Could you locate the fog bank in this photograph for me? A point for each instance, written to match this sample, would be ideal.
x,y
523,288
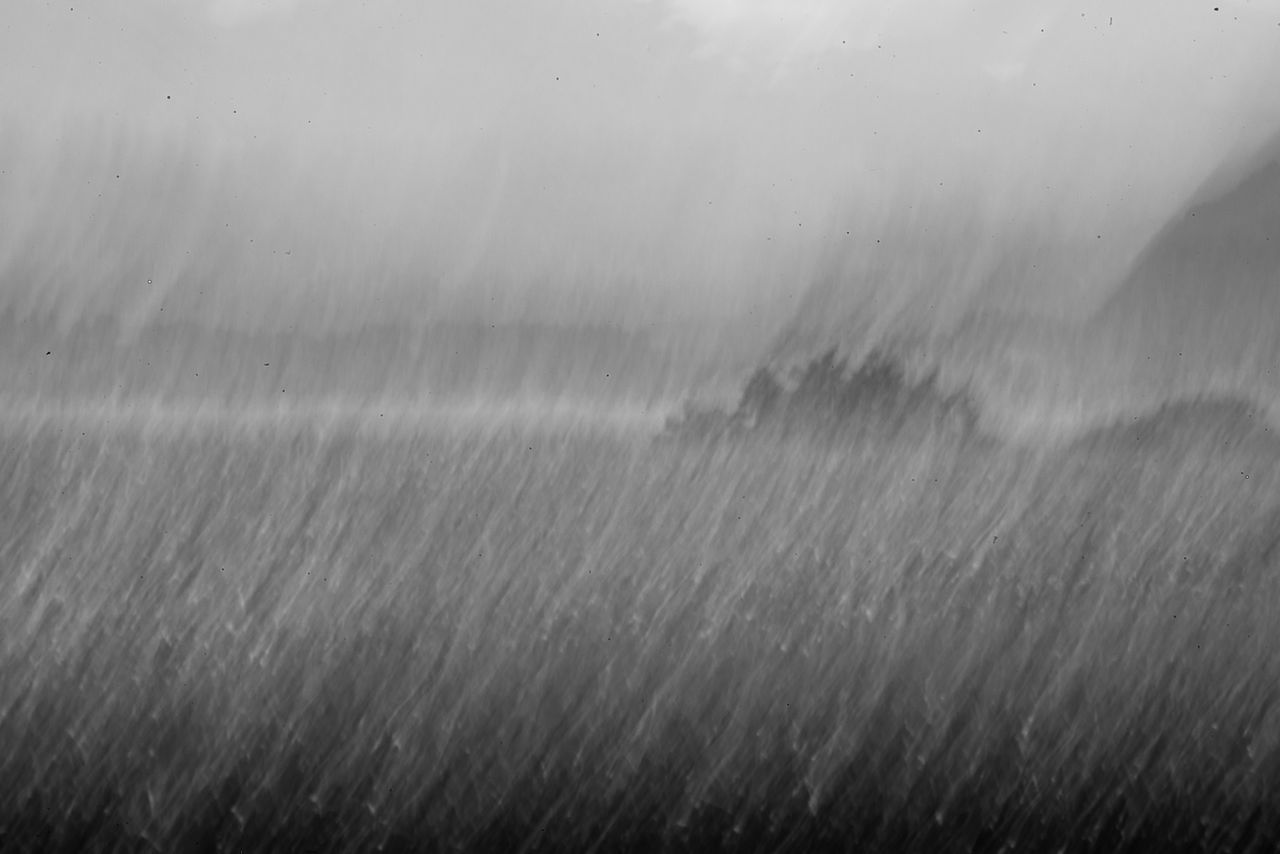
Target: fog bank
x,y
802,174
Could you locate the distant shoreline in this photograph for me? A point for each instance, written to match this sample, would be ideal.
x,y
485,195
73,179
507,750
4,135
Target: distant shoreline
x,y
474,414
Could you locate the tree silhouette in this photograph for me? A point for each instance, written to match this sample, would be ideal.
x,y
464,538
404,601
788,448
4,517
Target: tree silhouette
x,y
879,396
760,396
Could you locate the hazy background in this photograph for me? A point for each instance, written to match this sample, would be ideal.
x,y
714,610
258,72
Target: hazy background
x,y
761,178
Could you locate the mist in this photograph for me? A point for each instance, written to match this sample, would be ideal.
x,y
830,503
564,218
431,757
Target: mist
x,y
791,176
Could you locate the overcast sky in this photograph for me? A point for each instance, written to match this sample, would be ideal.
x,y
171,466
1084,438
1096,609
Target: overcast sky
x,y
668,155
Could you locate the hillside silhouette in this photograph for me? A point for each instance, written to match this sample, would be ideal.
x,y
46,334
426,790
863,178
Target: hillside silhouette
x,y
183,361
1214,425
1199,307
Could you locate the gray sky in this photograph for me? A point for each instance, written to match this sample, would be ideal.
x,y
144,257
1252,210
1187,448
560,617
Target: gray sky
x,y
609,158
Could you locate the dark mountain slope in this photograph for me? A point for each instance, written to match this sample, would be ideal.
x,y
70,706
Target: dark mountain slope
x,y
1201,306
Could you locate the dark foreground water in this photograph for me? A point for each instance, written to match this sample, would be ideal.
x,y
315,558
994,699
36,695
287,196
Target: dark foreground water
x,y
270,635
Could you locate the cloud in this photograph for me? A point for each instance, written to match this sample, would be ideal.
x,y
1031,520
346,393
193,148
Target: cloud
x,y
1269,7
234,13
779,32
780,36
1013,41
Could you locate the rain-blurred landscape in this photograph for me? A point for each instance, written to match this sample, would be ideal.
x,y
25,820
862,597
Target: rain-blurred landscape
x,y
665,426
